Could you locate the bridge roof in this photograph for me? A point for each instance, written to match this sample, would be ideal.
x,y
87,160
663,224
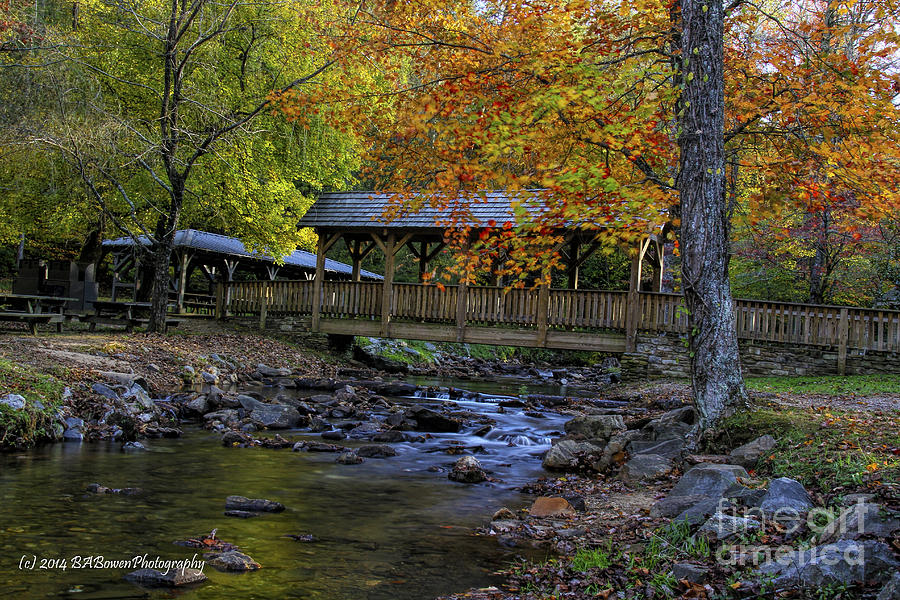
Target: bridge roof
x,y
216,244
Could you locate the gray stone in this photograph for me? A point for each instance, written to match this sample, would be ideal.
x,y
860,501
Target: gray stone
x,y
267,371
256,504
690,572
376,451
785,496
745,496
429,420
74,423
241,514
233,437
673,425
72,435
209,378
645,467
134,447
667,448
225,415
349,458
249,402
891,590
232,561
391,436
105,391
614,452
844,562
275,416
748,454
595,427
722,526
467,470
569,454
14,401
197,406
335,435
851,499
171,578
861,520
708,480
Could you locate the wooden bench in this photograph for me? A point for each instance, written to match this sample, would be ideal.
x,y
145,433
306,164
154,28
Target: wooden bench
x,y
127,314
33,319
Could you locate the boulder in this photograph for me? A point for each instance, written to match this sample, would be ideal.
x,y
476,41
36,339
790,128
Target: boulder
x,y
467,470
256,504
197,406
429,420
745,496
645,467
275,416
667,448
785,495
595,427
693,508
225,415
614,452
376,451
722,526
232,561
14,401
267,371
547,506
249,403
105,391
748,454
171,578
569,454
861,520
335,435
230,438
349,458
673,425
844,562
690,572
391,436
709,480
72,435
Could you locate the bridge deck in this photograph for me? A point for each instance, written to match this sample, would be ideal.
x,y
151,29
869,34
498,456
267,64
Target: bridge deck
x,y
550,318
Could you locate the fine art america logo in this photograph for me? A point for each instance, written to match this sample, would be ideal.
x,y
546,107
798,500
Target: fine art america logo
x,y
827,525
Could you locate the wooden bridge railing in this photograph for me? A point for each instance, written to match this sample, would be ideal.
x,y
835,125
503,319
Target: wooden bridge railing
x,y
841,327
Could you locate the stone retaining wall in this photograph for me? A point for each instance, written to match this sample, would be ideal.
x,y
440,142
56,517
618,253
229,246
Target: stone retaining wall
x,y
666,356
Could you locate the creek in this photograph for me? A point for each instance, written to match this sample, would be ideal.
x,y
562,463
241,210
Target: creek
x,y
393,528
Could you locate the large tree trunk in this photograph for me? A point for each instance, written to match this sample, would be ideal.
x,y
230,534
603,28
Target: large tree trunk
x,y
715,361
162,255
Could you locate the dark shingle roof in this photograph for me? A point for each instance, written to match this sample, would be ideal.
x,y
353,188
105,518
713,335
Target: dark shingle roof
x,y
366,209
222,244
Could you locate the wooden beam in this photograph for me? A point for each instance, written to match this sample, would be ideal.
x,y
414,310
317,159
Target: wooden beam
x,y
843,335
390,252
182,278
263,305
573,265
317,284
220,301
633,304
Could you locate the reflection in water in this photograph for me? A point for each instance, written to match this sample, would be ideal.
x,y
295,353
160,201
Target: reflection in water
x,y
388,529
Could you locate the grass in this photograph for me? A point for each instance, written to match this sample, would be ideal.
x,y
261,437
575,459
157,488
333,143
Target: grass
x,y
849,385
827,450
30,425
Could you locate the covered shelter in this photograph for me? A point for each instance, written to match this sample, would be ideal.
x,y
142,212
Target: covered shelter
x,y
219,258
358,219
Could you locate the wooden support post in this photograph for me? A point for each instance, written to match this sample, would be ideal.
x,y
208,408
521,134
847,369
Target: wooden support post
x,y
543,315
462,308
263,305
423,261
356,255
182,278
390,252
220,301
843,335
272,271
574,264
633,303
317,283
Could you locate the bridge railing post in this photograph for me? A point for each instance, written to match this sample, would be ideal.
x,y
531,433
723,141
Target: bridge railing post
x,y
843,335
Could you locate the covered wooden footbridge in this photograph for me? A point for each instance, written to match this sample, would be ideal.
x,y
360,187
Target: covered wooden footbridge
x,y
221,259
561,318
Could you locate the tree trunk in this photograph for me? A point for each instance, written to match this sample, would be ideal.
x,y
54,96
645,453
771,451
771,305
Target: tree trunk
x,y
715,362
162,255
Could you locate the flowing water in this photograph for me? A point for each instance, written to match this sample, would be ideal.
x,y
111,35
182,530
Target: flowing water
x,y
387,529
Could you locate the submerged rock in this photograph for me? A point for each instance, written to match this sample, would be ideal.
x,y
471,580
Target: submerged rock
x,y
232,561
349,458
275,416
257,504
376,451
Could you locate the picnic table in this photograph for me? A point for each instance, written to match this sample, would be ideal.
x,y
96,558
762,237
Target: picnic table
x,y
33,309
129,314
